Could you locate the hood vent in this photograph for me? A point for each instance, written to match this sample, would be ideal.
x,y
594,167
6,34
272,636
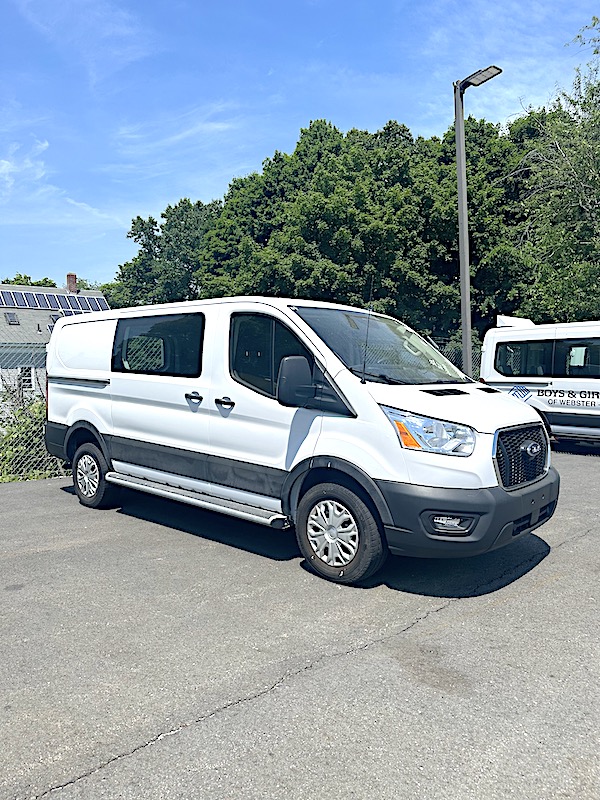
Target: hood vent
x,y
488,389
443,392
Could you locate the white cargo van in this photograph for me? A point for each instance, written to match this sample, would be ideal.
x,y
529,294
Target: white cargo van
x,y
343,423
553,368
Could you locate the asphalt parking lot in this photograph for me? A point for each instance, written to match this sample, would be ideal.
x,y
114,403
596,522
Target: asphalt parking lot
x,y
156,651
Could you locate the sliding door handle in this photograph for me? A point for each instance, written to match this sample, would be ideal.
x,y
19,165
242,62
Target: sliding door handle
x,y
225,402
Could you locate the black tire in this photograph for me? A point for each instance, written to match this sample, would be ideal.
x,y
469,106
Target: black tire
x,y
338,534
89,478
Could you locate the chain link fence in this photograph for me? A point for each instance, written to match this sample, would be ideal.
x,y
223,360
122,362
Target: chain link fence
x,y
453,353
23,454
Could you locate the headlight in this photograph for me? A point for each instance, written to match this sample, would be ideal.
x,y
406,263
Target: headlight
x,y
431,435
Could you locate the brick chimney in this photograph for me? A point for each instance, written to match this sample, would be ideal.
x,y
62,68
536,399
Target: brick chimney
x,y
71,282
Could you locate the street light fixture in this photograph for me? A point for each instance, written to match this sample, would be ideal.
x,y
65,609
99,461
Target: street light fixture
x,y
476,79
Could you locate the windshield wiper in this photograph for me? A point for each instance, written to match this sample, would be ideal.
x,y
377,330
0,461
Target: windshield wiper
x,y
381,376
456,380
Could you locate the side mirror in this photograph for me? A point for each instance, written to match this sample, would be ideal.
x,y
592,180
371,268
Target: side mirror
x,y
294,383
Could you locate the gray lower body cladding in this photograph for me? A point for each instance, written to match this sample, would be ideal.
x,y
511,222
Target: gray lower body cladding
x,y
498,517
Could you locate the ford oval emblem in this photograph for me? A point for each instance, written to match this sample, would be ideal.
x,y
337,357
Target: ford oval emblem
x,y
532,449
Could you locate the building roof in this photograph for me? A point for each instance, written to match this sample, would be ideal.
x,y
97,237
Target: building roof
x,y
28,313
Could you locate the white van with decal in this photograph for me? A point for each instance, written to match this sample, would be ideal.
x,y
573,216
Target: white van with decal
x,y
343,423
553,368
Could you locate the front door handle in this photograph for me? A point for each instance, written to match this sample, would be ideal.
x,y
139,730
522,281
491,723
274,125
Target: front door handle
x,y
193,397
226,402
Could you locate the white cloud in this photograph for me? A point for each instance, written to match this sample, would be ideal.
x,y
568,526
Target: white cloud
x,y
527,40
177,154
27,195
18,168
13,118
98,33
194,126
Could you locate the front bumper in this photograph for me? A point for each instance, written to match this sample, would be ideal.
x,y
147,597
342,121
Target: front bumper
x,y
498,517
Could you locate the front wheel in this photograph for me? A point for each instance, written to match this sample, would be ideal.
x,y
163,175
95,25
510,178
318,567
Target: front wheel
x,y
338,534
89,478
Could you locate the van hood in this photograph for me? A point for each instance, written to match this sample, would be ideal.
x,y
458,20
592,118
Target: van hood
x,y
471,404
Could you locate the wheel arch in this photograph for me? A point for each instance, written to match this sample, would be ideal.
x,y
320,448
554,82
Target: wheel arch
x,y
325,469
84,433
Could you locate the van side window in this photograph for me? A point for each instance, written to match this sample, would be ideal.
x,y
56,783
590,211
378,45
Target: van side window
x,y
577,358
257,344
524,359
170,344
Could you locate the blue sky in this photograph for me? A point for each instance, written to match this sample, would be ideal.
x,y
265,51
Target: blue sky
x,y
113,109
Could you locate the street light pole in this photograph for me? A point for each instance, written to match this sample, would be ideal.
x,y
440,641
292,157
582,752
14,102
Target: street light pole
x,y
476,79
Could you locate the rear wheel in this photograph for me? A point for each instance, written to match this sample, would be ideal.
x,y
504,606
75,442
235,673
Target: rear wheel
x,y
338,534
89,478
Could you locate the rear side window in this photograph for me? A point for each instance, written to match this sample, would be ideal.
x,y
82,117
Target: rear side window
x,y
564,358
577,358
524,359
170,344
257,345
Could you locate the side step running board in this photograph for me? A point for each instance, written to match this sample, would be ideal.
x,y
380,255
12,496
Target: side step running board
x,y
207,502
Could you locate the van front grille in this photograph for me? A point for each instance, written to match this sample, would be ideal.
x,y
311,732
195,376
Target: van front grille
x,y
521,455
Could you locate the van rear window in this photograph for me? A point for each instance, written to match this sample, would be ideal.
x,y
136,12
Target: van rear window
x,y
564,358
577,358
524,359
170,344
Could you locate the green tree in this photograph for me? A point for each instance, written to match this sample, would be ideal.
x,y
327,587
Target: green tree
x,y
169,255
371,219
560,229
361,218
25,280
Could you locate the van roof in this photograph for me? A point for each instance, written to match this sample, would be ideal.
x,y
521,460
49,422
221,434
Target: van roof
x,y
281,303
551,326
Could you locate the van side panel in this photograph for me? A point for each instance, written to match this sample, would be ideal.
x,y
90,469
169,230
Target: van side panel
x,y
83,348
78,369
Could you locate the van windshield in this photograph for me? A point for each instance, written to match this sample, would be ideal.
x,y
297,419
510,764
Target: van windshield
x,y
385,350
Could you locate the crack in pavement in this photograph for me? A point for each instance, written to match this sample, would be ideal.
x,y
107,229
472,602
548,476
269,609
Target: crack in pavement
x,y
515,570
248,698
574,538
475,592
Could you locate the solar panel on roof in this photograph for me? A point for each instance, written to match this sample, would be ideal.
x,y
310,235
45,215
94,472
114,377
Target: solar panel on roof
x,y
50,300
